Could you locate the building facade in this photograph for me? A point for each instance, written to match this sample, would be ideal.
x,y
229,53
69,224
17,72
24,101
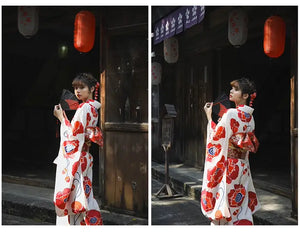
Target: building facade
x,y
206,64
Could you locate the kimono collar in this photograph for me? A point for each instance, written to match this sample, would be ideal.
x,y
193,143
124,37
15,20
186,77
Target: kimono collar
x,y
95,103
245,108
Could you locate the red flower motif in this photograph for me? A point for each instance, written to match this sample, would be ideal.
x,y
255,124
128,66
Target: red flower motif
x,y
219,134
78,128
74,168
213,150
215,175
236,212
234,125
88,119
207,201
82,223
243,222
65,212
94,111
213,125
77,207
62,198
87,185
252,200
244,116
83,163
67,123
232,170
93,217
236,196
69,148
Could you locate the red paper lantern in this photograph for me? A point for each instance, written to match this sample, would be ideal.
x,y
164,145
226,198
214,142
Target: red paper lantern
x,y
274,36
84,31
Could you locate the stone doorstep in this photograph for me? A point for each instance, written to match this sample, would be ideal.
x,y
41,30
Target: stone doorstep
x,y
23,204
186,185
28,181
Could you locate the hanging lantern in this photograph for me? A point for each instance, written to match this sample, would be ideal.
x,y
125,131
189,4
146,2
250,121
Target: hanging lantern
x,y
274,36
28,20
156,73
171,50
237,27
84,31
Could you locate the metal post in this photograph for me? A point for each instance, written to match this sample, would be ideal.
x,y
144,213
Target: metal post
x,y
166,191
166,166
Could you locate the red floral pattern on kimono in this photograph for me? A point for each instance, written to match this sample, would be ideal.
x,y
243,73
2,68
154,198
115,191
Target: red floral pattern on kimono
x,y
228,194
207,201
213,150
216,174
232,170
73,195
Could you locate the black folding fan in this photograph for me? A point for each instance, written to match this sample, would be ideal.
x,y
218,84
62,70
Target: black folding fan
x,y
68,100
220,106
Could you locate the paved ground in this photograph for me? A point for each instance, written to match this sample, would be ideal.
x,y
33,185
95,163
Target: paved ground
x,y
24,204
275,208
8,219
175,211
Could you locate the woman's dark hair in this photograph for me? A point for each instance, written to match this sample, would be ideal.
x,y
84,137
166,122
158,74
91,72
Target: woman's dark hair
x,y
84,79
246,87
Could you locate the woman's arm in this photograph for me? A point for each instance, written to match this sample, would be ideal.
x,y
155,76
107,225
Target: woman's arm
x,y
208,110
58,112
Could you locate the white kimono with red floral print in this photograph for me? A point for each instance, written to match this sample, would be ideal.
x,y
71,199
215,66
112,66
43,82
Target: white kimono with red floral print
x,y
73,195
228,195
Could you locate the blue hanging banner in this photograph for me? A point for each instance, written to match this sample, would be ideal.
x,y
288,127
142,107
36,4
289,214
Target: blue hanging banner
x,y
178,21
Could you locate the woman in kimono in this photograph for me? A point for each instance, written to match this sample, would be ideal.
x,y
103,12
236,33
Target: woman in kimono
x,y
73,196
228,196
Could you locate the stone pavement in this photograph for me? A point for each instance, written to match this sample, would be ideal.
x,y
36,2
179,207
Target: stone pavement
x,y
275,210
24,204
175,211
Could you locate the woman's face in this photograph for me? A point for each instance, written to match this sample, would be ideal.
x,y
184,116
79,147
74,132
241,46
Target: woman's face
x,y
82,92
237,97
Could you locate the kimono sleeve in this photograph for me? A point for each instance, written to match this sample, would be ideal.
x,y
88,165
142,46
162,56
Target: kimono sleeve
x,y
68,159
73,134
220,132
214,175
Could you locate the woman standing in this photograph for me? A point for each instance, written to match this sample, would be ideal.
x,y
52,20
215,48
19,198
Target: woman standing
x,y
228,196
73,195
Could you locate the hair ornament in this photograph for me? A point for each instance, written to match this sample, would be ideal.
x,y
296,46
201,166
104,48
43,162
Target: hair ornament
x,y
97,90
252,97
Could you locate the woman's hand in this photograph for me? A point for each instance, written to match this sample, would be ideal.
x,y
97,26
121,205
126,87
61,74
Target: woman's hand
x,y
208,110
58,112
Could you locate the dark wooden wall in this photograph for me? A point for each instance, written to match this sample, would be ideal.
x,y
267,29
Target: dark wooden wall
x,y
124,115
126,168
